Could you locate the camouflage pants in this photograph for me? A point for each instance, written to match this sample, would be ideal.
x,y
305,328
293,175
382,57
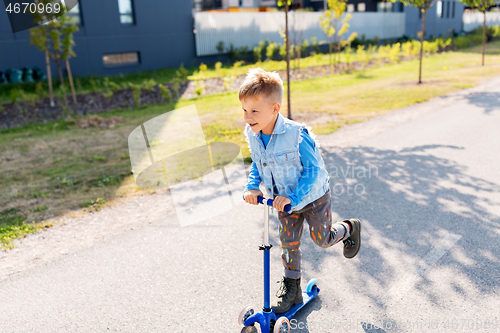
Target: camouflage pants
x,y
322,231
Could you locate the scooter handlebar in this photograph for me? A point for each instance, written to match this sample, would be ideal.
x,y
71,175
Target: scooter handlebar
x,y
269,202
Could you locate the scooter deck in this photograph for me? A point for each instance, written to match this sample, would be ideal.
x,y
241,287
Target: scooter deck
x,y
306,298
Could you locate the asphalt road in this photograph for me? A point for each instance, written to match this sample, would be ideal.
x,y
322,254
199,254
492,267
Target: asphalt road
x,y
425,181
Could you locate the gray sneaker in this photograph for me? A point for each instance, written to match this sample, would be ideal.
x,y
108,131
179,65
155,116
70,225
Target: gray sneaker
x,y
289,294
353,242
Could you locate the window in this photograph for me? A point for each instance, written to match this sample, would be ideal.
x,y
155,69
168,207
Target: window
x,y
384,6
439,8
120,59
448,9
453,10
126,11
75,14
361,7
350,8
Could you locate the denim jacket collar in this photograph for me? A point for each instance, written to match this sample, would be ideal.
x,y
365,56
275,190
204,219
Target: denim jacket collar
x,y
279,127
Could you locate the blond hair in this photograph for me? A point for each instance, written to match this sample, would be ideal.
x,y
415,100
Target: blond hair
x,y
259,82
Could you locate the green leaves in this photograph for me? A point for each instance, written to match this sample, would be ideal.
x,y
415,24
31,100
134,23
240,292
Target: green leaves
x,y
57,35
481,5
281,3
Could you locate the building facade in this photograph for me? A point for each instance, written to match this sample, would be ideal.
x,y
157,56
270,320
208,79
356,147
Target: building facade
x,y
443,17
124,36
115,36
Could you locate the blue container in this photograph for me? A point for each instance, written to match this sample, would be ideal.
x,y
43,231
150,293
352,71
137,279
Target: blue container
x,y
38,75
14,75
28,75
3,78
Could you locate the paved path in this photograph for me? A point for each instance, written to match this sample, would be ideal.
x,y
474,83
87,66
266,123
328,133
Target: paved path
x,y
426,186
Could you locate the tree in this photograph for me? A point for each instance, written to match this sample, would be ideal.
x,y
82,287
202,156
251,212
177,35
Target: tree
x,y
332,25
482,6
287,39
55,38
423,6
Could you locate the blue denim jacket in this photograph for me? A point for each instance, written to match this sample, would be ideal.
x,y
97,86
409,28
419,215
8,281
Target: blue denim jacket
x,y
281,161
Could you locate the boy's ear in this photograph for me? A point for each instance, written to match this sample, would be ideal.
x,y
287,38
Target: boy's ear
x,y
276,107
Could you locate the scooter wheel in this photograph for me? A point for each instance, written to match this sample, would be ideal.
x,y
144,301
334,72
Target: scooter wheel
x,y
245,313
282,325
310,285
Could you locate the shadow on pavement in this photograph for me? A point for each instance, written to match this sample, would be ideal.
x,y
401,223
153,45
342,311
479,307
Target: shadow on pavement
x,y
490,101
408,200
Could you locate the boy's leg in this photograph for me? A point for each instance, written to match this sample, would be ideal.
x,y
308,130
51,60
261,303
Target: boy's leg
x,y
321,229
291,227
290,293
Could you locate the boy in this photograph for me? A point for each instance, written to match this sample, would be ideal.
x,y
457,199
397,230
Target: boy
x,y
287,160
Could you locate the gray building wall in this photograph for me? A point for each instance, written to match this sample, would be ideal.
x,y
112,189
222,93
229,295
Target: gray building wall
x,y
162,33
435,26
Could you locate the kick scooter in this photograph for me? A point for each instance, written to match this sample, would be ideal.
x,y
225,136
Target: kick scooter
x,y
268,320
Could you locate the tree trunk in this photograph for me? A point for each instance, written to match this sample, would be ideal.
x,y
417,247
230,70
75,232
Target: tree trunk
x,y
298,54
70,78
330,50
287,61
422,48
59,69
338,53
484,35
49,77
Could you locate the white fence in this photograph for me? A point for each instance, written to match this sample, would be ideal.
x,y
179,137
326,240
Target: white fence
x,y
248,28
474,20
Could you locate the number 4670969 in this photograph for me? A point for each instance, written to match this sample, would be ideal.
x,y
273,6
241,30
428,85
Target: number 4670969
x,y
33,8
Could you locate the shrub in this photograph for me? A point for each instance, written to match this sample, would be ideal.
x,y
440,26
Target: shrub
x,y
256,54
304,48
228,82
315,45
175,87
430,47
218,66
236,65
232,53
407,49
220,47
282,51
243,50
348,55
271,50
395,49
384,52
15,94
199,87
149,85
362,55
263,48
442,44
462,41
165,92
203,68
415,48
182,72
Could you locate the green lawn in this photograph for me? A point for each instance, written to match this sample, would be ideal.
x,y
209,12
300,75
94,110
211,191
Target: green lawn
x,y
54,168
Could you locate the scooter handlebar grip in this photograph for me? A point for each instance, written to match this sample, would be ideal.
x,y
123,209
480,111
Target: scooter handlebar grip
x,y
269,202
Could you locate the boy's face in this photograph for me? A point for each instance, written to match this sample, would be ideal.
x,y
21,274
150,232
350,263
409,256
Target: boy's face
x,y
260,114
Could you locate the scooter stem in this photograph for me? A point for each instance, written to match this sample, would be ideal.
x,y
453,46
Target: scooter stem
x,y
267,261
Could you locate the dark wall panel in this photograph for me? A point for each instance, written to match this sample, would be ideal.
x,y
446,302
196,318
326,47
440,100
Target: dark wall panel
x,y
162,33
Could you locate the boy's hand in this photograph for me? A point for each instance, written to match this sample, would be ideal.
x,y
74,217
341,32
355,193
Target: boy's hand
x,y
251,196
280,203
